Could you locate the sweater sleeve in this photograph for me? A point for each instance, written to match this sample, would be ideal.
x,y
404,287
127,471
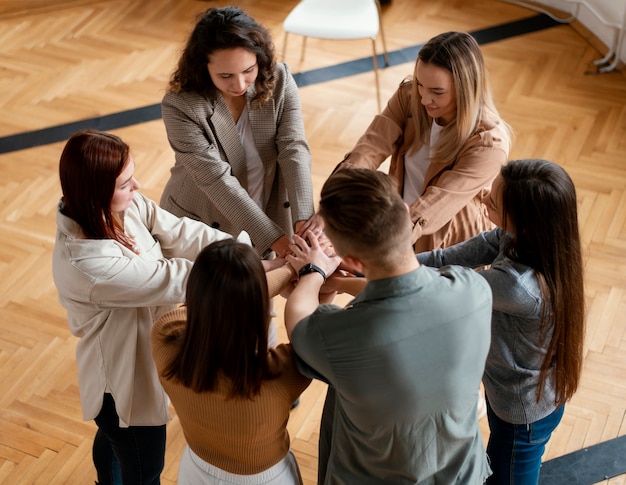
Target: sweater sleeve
x,y
476,252
278,279
163,337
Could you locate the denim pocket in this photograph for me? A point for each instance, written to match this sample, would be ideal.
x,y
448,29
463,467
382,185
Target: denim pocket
x,y
540,431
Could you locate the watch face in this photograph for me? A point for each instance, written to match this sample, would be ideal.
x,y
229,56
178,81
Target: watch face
x,y
311,268
306,269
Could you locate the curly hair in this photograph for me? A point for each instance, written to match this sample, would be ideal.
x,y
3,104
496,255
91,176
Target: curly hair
x,y
217,29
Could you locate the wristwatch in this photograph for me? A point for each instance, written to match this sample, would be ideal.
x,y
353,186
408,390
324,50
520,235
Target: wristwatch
x,y
311,268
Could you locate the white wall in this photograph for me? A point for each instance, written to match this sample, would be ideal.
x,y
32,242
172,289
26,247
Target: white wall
x,y
612,12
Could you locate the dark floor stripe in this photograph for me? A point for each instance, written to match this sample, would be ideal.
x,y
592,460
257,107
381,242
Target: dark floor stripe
x,y
144,114
409,54
589,465
58,133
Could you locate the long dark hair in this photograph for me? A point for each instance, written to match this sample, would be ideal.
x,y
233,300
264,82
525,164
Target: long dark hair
x,y
217,29
89,166
539,202
228,315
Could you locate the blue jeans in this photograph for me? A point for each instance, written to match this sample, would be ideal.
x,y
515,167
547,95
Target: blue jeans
x,y
515,450
135,455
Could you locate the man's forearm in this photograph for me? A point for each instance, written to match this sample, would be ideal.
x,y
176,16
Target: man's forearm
x,y
303,301
353,285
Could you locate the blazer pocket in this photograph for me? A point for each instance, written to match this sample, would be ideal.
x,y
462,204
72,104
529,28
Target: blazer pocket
x,y
181,211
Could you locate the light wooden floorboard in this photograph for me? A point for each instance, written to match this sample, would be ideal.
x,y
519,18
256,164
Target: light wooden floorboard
x,y
68,60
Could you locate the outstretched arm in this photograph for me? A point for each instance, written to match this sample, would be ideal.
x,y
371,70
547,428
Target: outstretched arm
x,y
279,278
304,299
345,283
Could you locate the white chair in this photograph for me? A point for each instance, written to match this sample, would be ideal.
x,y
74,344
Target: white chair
x,y
338,20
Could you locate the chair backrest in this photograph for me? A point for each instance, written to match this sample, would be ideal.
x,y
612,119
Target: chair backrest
x,y
334,19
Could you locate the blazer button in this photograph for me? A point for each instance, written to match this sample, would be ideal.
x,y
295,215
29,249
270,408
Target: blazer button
x,y
215,225
286,205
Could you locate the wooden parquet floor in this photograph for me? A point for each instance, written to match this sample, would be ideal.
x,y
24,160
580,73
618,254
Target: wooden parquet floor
x,y
68,60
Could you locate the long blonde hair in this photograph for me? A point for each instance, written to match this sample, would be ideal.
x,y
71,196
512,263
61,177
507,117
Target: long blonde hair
x,y
458,53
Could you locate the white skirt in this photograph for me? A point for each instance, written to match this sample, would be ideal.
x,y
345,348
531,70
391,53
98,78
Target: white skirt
x,y
193,470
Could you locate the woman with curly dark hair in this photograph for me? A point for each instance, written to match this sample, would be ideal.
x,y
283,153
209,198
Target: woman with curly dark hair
x,y
233,118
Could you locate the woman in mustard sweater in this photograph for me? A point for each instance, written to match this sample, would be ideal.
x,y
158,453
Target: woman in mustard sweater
x,y
231,392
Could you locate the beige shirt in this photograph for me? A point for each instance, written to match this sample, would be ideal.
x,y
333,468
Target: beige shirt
x,y
113,296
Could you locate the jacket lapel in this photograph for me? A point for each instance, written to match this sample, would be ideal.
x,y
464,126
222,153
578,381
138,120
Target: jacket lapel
x,y
228,135
263,130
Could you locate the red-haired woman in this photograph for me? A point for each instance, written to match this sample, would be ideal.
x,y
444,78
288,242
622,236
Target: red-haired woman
x,y
119,263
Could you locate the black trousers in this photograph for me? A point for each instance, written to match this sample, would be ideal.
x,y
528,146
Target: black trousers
x,y
138,452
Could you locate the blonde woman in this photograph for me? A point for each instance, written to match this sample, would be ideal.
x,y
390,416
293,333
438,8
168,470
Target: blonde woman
x,y
446,140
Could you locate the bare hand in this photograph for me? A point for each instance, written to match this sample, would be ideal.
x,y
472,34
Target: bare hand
x,y
303,253
314,224
281,246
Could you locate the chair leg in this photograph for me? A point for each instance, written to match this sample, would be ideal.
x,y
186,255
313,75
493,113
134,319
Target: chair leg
x,y
303,48
382,33
375,60
285,47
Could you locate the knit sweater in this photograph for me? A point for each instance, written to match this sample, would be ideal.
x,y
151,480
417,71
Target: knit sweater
x,y
240,436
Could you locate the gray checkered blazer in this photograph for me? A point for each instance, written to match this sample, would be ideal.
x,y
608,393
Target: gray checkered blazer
x,y
209,179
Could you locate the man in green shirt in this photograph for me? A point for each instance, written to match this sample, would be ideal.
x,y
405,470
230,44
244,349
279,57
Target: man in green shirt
x,y
404,359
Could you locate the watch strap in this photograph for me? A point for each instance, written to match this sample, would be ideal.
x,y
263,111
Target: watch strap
x,y
311,268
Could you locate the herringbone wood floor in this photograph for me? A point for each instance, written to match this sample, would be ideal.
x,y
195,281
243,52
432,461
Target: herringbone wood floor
x,y
67,60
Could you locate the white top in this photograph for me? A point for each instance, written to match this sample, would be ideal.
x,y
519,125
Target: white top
x,y
415,166
113,297
256,171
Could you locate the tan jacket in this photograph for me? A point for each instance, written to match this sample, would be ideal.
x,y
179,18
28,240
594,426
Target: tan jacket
x,y
113,297
209,180
450,208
